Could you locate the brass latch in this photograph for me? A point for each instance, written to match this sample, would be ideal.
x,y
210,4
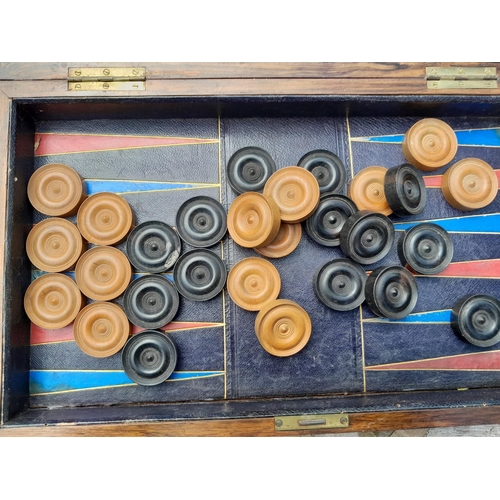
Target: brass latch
x,y
106,79
305,422
461,77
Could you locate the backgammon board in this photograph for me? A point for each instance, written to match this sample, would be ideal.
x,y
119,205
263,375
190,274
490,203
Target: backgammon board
x,y
159,158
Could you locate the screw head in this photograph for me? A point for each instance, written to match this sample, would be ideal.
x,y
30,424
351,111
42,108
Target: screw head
x,y
279,422
343,420
78,86
135,71
105,85
78,72
106,71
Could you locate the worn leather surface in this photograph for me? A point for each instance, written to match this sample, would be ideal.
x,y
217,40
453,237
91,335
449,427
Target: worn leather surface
x,y
193,163
339,348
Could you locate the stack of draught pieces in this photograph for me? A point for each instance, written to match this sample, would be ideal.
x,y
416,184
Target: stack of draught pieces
x,y
56,245
271,204
104,273
266,216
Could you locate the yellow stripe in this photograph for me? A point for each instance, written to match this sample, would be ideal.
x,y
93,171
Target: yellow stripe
x,y
351,157
201,186
114,386
126,135
429,359
224,340
123,149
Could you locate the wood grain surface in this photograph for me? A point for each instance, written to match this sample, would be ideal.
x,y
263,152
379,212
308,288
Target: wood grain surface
x,y
244,86
206,70
361,422
49,80
4,154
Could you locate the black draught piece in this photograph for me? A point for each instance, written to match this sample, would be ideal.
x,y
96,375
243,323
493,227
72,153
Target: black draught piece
x,y
200,275
153,247
151,301
426,248
367,237
328,169
391,292
149,357
340,284
325,224
201,221
249,168
405,190
476,319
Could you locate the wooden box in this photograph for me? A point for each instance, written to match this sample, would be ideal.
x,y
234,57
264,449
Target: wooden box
x,y
369,374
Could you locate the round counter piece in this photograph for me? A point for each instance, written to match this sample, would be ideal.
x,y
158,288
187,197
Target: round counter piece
x,y
52,301
367,237
426,248
201,221
469,184
430,144
283,328
340,284
105,219
151,301
253,220
199,275
56,190
296,192
405,190
249,169
153,247
149,357
327,168
54,245
101,329
103,273
286,241
366,190
252,283
391,292
328,219
476,319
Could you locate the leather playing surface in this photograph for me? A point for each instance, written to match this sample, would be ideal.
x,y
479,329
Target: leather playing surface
x,y
349,352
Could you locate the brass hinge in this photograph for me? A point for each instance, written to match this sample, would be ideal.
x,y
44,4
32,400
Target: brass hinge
x,y
306,422
461,78
106,79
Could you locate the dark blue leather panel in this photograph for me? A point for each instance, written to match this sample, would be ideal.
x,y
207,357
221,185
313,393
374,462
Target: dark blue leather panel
x,y
68,356
169,391
193,163
339,348
433,379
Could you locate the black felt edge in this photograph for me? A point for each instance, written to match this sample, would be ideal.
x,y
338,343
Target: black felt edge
x,y
15,327
259,408
420,105
261,105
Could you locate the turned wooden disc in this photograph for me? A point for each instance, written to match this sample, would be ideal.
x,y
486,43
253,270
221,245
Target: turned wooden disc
x,y
53,300
366,190
283,327
286,241
253,220
54,245
253,282
470,184
103,273
430,144
296,191
105,219
101,329
56,190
